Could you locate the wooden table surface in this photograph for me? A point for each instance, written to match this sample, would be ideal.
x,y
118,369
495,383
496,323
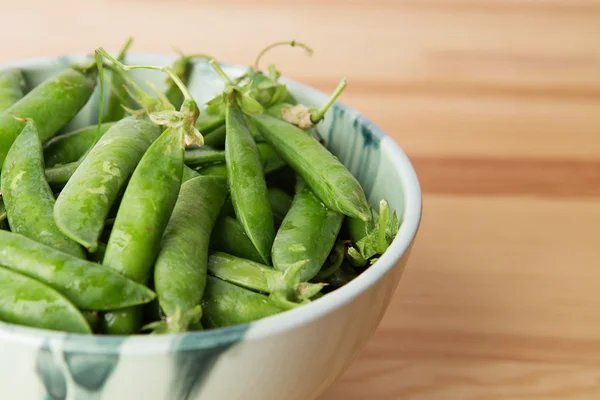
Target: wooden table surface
x,y
497,103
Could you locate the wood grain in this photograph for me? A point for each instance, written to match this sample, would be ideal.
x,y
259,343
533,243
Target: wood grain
x,y
497,102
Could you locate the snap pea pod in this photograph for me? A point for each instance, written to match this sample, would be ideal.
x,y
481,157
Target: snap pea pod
x,y
225,304
322,171
307,233
180,268
247,184
215,138
87,197
71,146
25,301
12,85
203,155
143,215
87,285
53,103
28,199
259,277
146,207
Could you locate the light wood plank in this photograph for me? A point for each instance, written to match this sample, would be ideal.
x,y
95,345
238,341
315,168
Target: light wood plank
x,y
499,301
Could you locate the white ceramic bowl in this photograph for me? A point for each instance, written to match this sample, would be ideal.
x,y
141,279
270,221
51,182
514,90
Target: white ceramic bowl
x,y
295,355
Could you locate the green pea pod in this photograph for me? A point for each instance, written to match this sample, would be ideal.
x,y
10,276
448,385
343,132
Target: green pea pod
x,y
229,236
180,268
87,197
288,291
225,304
322,171
146,207
195,157
88,285
25,301
143,215
28,199
307,233
71,146
53,104
215,138
247,183
12,85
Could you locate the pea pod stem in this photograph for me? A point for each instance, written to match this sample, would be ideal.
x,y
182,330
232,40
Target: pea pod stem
x,y
285,287
291,43
318,114
306,117
166,70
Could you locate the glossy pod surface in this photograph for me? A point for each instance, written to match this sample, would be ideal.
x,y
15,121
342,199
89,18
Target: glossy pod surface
x,y
52,104
225,304
28,302
88,285
322,171
86,199
247,183
11,87
307,233
28,199
180,268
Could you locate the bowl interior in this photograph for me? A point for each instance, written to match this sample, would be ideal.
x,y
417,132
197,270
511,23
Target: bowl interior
x,y
373,157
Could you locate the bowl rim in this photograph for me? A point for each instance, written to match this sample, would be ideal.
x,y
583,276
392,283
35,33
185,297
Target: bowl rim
x,y
269,326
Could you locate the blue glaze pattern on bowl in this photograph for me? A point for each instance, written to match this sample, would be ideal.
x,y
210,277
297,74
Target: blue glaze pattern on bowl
x,y
295,355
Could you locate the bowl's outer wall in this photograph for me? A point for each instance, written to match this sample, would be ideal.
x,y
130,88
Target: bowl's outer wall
x,y
292,364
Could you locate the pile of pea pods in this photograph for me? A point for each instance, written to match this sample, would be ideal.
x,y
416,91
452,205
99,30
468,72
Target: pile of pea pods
x,y
162,218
